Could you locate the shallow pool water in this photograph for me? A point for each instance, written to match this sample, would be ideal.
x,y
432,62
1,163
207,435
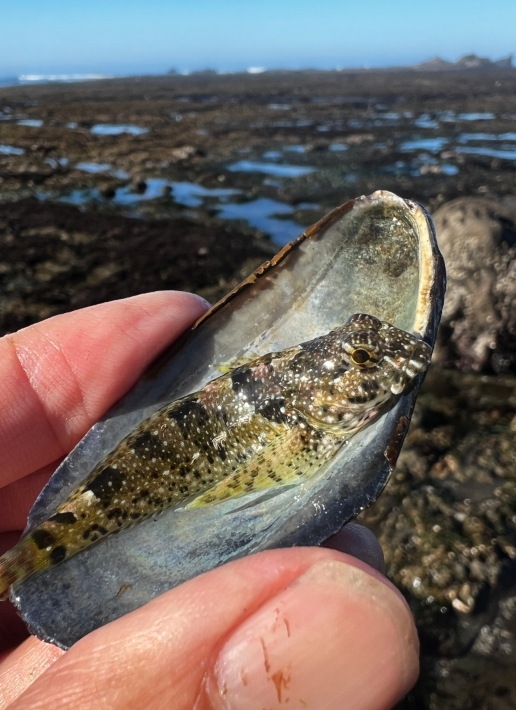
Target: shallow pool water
x,y
154,188
250,166
466,137
11,150
431,144
424,121
505,152
260,214
294,148
93,167
476,116
57,162
31,122
192,195
272,155
449,169
77,197
116,129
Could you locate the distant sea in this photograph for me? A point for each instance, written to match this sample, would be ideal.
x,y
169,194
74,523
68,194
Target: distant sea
x,y
26,79
9,81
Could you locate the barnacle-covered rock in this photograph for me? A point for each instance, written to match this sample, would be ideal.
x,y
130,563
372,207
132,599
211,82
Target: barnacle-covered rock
x,y
478,328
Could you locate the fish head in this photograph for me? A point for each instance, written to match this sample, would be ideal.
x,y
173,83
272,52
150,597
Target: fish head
x,y
382,360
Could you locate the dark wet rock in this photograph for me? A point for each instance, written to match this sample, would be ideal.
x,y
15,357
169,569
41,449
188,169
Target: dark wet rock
x,y
56,258
483,678
108,191
139,186
447,524
477,237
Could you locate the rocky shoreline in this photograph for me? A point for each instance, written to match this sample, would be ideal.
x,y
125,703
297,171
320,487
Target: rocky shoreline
x,y
211,174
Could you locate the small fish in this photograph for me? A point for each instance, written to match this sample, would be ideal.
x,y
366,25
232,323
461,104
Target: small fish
x,y
271,422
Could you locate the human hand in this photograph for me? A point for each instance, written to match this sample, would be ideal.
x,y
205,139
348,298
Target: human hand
x,y
308,627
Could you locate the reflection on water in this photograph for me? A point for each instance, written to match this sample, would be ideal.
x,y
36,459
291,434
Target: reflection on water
x,y
57,162
338,147
11,150
184,193
451,116
154,188
476,116
465,137
448,169
31,122
294,148
425,165
192,195
506,152
120,174
272,155
432,144
424,121
260,215
93,167
76,197
116,129
249,166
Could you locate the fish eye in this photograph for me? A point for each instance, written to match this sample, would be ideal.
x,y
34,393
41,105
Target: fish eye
x,y
360,356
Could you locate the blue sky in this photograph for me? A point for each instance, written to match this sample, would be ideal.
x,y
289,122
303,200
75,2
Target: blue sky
x,y
134,36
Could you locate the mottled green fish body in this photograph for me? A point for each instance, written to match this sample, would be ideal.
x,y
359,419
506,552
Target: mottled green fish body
x,y
270,423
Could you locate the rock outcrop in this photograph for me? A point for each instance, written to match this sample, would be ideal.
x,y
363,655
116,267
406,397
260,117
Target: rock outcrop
x,y
477,237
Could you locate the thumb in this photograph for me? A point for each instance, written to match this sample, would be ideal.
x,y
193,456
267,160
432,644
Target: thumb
x,y
312,627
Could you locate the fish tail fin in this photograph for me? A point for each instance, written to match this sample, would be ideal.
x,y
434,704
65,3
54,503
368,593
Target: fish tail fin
x,y
16,564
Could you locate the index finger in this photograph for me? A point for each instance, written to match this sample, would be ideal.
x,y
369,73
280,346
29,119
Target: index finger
x,y
61,375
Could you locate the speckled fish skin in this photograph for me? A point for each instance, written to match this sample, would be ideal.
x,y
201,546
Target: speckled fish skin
x,y
272,422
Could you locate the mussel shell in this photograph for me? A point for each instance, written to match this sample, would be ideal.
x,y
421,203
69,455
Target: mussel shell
x,y
375,255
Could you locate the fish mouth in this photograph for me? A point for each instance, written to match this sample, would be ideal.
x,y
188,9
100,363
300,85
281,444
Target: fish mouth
x,y
414,366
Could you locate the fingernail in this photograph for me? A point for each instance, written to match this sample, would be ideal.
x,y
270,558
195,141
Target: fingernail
x,y
360,542
336,637
204,302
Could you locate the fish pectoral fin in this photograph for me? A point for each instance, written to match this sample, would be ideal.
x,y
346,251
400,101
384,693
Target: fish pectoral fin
x,y
337,429
289,459
250,502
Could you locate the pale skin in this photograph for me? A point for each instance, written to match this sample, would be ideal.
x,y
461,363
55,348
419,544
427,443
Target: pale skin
x,y
315,628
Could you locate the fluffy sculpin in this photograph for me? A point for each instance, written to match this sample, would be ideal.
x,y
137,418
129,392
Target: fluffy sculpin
x,y
269,423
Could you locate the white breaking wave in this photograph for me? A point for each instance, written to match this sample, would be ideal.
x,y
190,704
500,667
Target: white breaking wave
x,y
61,77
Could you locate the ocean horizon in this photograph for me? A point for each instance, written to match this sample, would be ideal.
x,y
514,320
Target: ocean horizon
x,y
471,61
